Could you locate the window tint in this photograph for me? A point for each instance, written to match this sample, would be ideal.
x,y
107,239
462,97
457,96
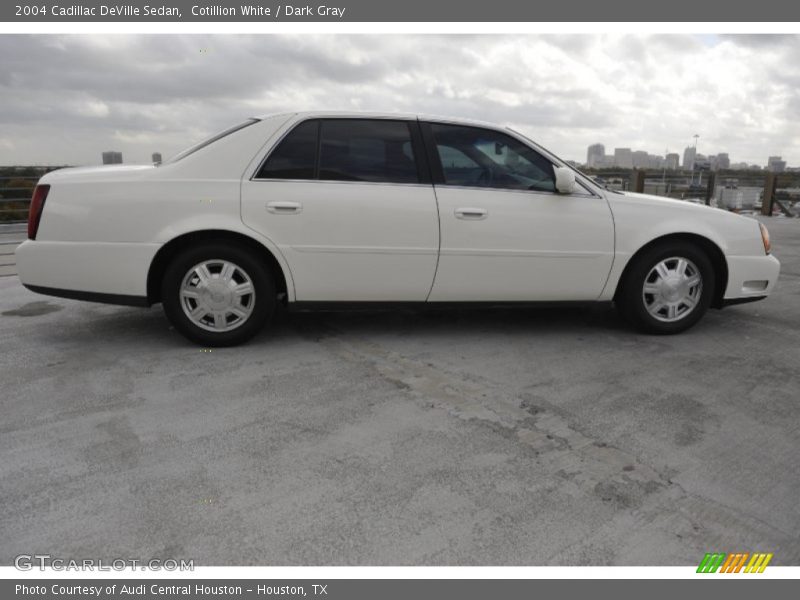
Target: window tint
x,y
475,157
367,150
295,156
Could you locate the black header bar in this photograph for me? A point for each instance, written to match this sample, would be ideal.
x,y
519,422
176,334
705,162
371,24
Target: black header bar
x,y
339,11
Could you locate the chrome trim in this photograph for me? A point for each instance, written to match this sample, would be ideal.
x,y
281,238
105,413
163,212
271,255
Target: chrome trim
x,y
520,253
338,181
509,190
364,250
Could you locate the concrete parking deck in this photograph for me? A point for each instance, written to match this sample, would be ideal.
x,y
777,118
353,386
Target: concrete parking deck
x,y
519,437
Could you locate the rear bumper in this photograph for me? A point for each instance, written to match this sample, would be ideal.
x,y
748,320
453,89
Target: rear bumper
x,y
750,278
104,270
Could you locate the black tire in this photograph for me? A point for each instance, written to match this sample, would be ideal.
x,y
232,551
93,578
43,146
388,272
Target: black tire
x,y
632,302
263,300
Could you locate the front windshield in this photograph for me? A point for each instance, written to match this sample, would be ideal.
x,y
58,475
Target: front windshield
x,y
211,140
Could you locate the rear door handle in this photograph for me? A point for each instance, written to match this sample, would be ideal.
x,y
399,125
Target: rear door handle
x,y
284,208
473,214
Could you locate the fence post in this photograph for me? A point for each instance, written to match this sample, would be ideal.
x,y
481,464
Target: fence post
x,y
712,179
768,197
638,181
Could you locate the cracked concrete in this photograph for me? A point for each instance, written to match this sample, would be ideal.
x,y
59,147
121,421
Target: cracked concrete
x,y
496,437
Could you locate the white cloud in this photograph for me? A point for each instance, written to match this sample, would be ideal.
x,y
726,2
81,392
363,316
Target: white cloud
x,y
67,98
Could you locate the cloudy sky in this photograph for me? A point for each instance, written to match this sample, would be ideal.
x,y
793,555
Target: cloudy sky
x,y
64,99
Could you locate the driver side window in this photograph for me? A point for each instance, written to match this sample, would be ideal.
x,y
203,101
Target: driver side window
x,y
476,157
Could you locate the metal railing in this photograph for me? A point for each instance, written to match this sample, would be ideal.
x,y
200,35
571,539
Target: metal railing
x,y
737,191
730,190
16,189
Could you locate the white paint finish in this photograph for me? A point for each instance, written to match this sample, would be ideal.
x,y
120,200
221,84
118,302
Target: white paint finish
x,y
86,266
127,210
640,219
350,241
529,246
230,156
742,269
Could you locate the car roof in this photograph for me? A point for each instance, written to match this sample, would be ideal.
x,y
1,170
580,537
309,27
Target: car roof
x,y
384,115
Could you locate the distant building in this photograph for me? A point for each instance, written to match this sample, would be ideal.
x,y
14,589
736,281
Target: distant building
x,y
640,159
775,164
156,158
595,155
112,158
672,161
623,158
688,158
626,158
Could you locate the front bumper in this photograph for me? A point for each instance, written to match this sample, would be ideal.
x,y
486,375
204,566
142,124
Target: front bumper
x,y
750,277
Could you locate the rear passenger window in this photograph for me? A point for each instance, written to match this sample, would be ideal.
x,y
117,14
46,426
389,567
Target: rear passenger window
x,y
295,157
367,150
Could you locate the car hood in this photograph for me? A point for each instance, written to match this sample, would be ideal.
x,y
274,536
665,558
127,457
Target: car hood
x,y
666,202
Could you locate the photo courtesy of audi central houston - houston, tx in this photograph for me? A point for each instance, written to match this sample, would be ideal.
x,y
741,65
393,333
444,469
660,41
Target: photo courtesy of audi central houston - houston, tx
x,y
311,209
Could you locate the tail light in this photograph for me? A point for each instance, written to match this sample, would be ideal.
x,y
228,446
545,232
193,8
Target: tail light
x,y
37,206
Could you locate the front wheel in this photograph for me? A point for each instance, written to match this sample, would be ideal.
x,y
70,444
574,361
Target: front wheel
x,y
667,289
217,294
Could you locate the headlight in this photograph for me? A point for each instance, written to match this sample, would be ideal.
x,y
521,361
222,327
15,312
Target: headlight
x,y
765,238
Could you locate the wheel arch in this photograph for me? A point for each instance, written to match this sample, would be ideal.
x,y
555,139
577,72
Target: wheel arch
x,y
712,250
162,258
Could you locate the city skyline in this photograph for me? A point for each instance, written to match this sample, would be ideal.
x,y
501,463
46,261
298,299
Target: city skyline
x,y
627,158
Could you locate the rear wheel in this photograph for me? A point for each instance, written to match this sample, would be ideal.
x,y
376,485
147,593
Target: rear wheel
x,y
668,288
217,294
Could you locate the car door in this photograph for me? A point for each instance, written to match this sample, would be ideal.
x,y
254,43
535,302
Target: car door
x,y
350,205
506,234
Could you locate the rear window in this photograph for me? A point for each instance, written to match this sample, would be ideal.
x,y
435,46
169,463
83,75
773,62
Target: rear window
x,y
367,150
296,156
371,150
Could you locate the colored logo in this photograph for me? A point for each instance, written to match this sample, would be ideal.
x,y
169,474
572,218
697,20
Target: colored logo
x,y
734,562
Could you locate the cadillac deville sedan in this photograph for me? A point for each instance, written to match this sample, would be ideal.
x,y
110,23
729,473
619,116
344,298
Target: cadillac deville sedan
x,y
333,209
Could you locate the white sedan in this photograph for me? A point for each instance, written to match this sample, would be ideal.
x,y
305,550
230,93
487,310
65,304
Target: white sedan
x,y
311,209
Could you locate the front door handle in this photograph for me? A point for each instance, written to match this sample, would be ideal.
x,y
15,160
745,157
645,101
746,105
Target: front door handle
x,y
284,208
472,214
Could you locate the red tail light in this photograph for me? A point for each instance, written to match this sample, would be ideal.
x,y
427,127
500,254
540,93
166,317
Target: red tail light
x,y
37,206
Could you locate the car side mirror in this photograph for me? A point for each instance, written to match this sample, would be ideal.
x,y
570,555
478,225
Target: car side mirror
x,y
565,180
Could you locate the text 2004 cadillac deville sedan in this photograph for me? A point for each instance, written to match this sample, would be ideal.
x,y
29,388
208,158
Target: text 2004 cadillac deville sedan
x,y
311,209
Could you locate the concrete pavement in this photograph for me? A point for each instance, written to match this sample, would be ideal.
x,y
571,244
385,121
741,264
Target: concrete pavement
x,y
497,437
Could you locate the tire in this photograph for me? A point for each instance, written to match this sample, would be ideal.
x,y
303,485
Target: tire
x,y
217,294
667,289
